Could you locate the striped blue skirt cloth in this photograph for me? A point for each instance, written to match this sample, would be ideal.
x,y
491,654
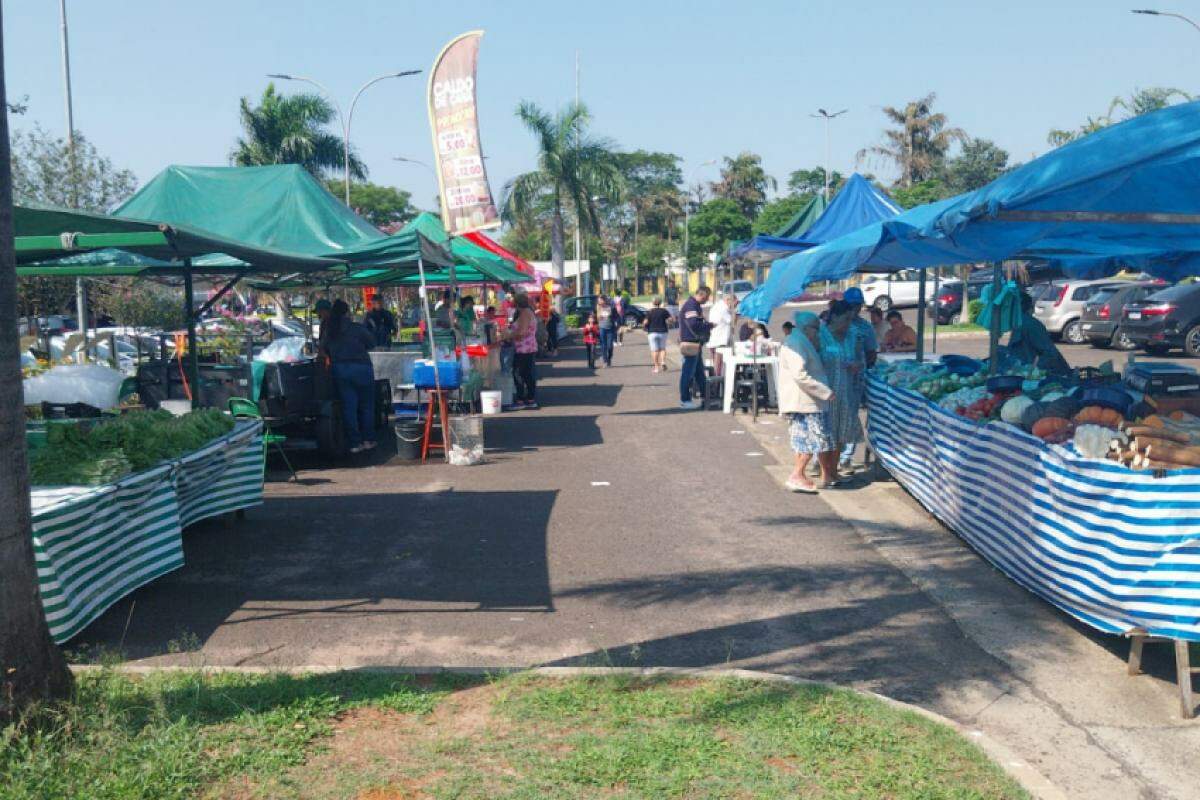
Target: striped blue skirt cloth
x,y
1115,548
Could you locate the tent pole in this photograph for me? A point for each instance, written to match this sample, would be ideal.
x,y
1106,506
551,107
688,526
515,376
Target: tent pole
x,y
994,327
437,378
189,297
921,317
937,292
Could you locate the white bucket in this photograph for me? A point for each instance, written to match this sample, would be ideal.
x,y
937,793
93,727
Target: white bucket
x,y
489,401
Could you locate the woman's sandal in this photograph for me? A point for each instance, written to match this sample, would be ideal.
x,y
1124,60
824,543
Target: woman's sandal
x,y
801,488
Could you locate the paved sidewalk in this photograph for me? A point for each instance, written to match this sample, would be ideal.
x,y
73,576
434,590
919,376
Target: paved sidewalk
x,y
609,528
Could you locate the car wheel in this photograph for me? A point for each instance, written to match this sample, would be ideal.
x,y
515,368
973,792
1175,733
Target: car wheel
x,y
883,303
957,319
1072,332
1121,341
1191,341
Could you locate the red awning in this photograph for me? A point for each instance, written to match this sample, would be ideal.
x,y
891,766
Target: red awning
x,y
475,237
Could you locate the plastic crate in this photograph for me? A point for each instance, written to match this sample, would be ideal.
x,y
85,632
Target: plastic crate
x,y
449,375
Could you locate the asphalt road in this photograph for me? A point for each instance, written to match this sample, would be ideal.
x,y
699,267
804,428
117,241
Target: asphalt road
x,y
608,528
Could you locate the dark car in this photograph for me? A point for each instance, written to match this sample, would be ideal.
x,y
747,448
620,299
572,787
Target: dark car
x,y
586,304
1101,319
1038,274
1166,319
947,307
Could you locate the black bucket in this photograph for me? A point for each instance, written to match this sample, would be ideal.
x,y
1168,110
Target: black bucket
x,y
409,433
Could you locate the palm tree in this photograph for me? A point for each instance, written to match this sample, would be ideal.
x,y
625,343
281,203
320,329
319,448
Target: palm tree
x,y
745,182
574,170
920,142
1142,101
291,130
31,667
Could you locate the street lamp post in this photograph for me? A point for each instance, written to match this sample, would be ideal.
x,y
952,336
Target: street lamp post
x,y
345,119
687,215
1152,13
823,114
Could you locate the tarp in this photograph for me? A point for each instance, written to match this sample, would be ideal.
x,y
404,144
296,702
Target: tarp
x,y
62,242
799,224
764,249
468,256
492,246
858,203
1127,196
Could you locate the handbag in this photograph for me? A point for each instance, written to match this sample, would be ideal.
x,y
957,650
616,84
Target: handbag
x,y
689,349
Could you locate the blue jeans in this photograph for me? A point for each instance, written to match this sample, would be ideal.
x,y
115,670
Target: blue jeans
x,y
607,337
691,372
355,382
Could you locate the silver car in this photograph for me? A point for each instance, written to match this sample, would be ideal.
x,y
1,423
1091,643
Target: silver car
x,y
1060,306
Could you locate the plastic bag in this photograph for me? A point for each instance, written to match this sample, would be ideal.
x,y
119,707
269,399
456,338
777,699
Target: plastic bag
x,y
93,384
289,348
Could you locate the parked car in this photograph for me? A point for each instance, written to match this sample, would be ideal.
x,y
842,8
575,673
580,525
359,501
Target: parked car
x,y
586,304
894,290
1101,318
1060,307
1035,275
1166,319
737,288
947,307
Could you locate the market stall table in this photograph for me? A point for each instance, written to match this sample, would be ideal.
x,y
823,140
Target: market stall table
x,y
730,360
95,544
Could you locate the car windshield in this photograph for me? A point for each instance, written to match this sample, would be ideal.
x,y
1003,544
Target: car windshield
x,y
1102,296
1181,292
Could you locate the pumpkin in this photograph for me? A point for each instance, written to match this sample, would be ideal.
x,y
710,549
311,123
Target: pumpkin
x,y
1014,407
1049,427
1098,415
1033,412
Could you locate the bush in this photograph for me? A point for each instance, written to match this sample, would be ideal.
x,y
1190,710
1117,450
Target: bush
x,y
974,309
574,320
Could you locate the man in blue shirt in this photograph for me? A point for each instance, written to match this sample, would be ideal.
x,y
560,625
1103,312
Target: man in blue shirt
x,y
693,333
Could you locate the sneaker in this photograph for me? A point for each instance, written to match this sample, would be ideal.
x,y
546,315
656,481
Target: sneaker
x,y
358,448
518,405
654,369
689,405
532,406
370,445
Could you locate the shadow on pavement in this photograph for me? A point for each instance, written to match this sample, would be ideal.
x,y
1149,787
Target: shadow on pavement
x,y
367,554
533,430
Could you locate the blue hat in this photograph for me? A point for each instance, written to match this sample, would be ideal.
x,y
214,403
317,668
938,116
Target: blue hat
x,y
854,296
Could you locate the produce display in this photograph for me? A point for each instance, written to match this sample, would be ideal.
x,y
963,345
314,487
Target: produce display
x,y
76,454
1091,411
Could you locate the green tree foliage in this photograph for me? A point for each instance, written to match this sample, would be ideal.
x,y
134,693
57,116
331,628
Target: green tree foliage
x,y
1142,101
652,183
139,303
531,242
918,144
385,207
777,212
927,191
573,167
812,181
745,182
292,130
43,172
979,163
714,225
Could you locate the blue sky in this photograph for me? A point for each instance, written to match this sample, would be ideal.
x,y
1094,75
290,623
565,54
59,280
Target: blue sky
x,y
158,82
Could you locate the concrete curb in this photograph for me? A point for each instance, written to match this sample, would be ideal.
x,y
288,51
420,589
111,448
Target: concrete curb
x,y
1030,779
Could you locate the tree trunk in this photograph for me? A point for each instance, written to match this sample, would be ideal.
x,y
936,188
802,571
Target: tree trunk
x,y
31,667
556,250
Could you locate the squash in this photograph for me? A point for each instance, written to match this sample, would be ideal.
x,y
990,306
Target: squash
x,y
1097,415
1050,427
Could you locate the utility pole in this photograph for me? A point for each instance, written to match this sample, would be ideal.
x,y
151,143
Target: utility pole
x,y
578,217
80,288
823,114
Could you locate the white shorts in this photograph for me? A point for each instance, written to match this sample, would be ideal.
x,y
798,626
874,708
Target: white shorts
x,y
658,342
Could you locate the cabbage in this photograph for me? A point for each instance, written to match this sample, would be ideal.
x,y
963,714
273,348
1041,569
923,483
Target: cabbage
x,y
1012,410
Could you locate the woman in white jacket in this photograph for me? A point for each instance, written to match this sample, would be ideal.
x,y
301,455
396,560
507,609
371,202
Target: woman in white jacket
x,y
804,397
721,318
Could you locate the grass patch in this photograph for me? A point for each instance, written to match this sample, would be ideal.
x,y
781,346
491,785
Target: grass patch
x,y
962,327
360,735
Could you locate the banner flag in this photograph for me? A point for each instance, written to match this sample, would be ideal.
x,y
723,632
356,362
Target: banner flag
x,y
462,179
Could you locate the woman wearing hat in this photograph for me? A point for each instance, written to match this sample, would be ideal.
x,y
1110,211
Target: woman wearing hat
x,y
804,397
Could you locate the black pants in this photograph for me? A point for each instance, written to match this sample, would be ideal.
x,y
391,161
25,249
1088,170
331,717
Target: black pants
x,y
591,354
552,337
524,380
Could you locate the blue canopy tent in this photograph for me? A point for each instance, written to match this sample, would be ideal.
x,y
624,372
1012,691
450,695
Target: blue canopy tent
x,y
858,203
764,248
1125,196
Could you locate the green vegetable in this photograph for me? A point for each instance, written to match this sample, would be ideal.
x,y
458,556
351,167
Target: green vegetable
x,y
78,456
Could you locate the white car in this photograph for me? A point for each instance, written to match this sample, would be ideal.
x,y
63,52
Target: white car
x,y
894,290
738,289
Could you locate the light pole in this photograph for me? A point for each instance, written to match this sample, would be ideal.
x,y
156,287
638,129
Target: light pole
x,y
1152,13
347,118
80,288
823,114
687,215
437,184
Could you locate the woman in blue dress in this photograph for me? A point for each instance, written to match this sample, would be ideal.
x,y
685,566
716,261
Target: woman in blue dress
x,y
843,368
